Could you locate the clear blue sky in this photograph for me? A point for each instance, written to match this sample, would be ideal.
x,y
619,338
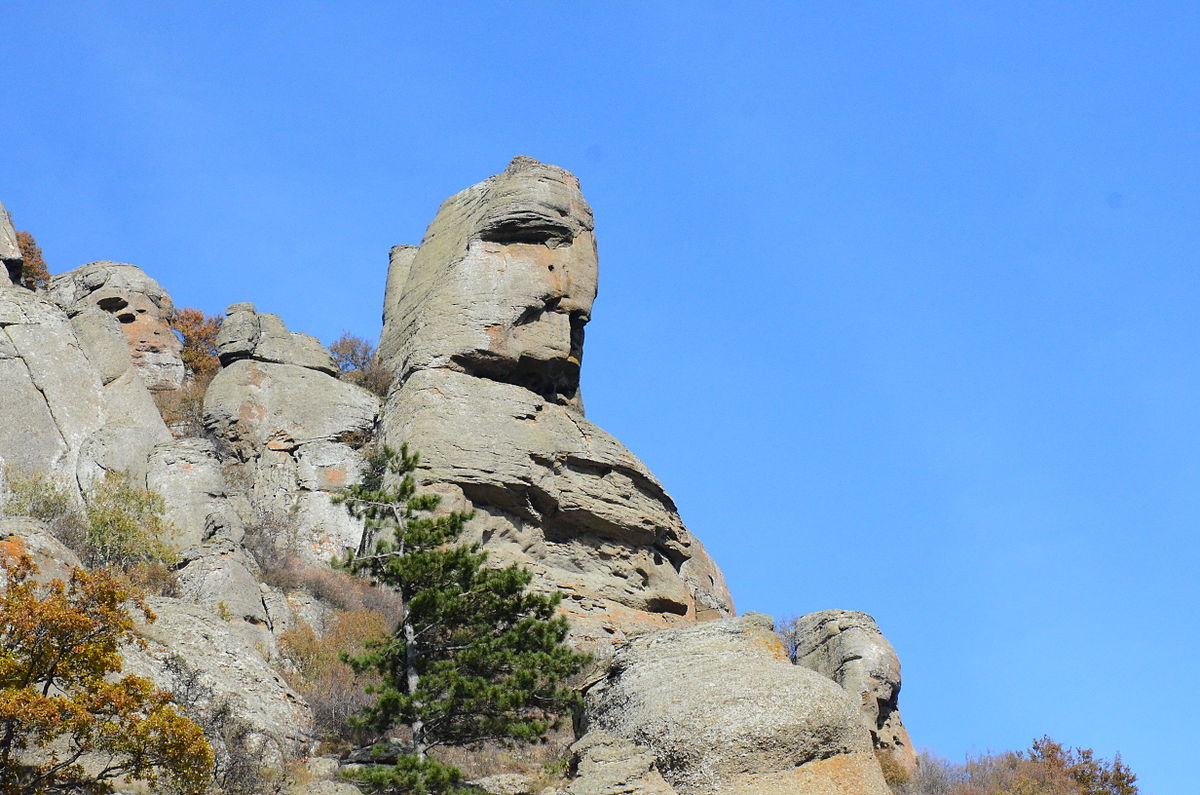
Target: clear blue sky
x,y
899,300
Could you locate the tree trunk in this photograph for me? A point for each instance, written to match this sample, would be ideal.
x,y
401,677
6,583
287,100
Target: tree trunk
x,y
412,656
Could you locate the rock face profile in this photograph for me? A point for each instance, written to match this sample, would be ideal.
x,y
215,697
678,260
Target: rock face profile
x,y
848,647
483,330
142,308
483,333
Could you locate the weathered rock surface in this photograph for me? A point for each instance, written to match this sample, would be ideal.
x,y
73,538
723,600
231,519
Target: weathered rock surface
x,y
608,765
73,403
504,784
10,251
227,662
188,476
483,328
249,334
290,426
53,559
140,305
849,648
722,710
51,397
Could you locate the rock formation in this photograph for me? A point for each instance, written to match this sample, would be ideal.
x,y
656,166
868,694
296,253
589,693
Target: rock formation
x,y
73,403
848,647
724,711
483,332
608,765
292,428
10,251
483,329
140,305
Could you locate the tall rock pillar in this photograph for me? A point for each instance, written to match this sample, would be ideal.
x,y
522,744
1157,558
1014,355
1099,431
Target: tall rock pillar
x,y
483,329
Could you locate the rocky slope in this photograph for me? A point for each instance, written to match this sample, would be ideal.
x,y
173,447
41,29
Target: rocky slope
x,y
483,331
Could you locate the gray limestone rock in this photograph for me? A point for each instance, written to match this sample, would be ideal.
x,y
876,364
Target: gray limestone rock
x,y
103,342
227,661
10,251
849,648
483,328
239,333
53,558
249,334
224,584
117,448
253,405
140,305
51,397
188,476
504,784
608,765
722,710
291,428
68,410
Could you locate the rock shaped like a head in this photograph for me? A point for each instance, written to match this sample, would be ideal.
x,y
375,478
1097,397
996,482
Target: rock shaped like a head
x,y
140,305
502,285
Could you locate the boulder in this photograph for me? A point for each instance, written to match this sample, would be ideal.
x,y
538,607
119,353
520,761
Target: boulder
x,y
249,334
10,251
188,476
483,329
103,343
225,585
253,405
722,709
849,648
142,308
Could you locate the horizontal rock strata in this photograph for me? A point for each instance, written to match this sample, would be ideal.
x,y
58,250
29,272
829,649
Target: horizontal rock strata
x,y
483,329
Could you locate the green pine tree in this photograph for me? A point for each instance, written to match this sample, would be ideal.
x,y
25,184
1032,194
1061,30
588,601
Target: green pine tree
x,y
476,656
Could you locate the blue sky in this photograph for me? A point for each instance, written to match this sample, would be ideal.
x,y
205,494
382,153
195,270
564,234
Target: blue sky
x,y
898,299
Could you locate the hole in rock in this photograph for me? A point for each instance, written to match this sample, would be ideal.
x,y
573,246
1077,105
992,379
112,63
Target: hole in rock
x,y
112,304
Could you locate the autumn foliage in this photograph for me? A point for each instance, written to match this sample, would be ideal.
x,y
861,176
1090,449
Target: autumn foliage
x,y
67,722
358,362
1046,768
198,332
318,672
36,273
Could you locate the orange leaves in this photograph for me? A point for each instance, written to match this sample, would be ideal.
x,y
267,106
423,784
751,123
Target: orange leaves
x,y
59,702
199,334
36,274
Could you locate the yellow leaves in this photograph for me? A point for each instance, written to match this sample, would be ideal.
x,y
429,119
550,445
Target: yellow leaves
x,y
58,698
